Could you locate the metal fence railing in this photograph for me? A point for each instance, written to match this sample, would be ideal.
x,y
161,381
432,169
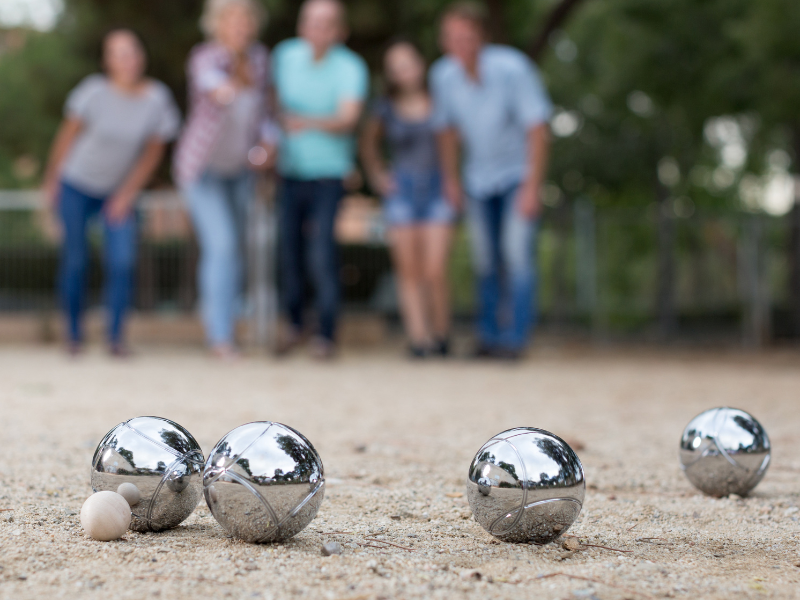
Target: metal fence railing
x,y
600,271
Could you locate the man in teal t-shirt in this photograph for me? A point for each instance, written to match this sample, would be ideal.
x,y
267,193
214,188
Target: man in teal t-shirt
x,y
321,86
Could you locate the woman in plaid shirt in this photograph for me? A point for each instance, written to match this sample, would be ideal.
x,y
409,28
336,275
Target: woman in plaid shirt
x,y
228,136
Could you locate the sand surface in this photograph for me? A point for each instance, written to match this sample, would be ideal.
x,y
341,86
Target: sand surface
x,y
396,439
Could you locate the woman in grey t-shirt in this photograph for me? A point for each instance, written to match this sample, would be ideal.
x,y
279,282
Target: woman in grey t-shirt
x,y
112,139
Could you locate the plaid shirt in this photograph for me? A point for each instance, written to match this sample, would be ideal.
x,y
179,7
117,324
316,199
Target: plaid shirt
x,y
209,66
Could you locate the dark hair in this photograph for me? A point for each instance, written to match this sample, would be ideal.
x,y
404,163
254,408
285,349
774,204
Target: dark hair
x,y
119,29
468,10
391,90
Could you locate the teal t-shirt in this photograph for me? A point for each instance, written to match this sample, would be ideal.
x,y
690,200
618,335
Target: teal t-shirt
x,y
312,88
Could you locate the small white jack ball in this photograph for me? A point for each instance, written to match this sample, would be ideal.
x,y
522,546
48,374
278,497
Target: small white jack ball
x,y
105,516
130,492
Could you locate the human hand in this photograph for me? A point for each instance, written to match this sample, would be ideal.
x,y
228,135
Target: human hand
x,y
47,218
50,194
295,123
224,94
263,157
528,202
384,184
454,192
119,206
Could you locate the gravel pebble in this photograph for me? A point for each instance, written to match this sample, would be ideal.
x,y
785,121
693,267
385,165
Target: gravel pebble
x,y
331,548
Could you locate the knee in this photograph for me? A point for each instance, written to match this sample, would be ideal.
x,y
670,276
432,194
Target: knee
x,y
408,272
121,256
221,250
484,259
121,265
518,263
73,260
485,265
435,274
323,271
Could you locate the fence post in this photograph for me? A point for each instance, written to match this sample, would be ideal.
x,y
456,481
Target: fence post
x,y
794,261
586,259
261,259
754,283
665,291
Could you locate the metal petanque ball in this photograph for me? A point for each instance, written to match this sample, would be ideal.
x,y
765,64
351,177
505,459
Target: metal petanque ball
x,y
161,460
526,485
264,482
724,451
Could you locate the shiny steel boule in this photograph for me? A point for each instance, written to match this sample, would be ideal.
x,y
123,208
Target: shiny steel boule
x,y
264,482
526,485
164,463
724,451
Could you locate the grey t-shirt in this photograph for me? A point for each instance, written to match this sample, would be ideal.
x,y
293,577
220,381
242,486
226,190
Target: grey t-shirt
x,y
116,127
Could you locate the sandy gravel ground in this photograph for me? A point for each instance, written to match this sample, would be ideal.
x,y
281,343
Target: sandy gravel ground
x,y
396,439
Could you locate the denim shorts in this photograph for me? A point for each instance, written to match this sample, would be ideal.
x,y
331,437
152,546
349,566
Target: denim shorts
x,y
418,200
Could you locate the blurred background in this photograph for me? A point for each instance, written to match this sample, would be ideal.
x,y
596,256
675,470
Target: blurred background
x,y
673,212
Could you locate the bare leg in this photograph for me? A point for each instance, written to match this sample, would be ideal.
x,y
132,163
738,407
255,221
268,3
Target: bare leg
x,y
437,241
406,252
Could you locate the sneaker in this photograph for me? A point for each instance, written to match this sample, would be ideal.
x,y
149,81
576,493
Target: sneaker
x,y
441,347
417,352
483,352
225,353
323,349
288,343
508,354
119,350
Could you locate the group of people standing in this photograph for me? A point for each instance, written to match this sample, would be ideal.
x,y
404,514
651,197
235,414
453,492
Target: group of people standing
x,y
470,135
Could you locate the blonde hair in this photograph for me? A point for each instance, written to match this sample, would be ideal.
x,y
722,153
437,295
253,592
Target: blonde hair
x,y
213,10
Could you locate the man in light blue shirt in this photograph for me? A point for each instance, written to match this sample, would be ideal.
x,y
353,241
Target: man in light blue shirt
x,y
320,87
490,105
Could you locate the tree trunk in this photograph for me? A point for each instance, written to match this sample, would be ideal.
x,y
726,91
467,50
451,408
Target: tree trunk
x,y
665,286
756,321
561,229
497,21
794,246
555,20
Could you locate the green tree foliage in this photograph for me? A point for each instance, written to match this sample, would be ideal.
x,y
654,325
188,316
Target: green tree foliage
x,y
36,72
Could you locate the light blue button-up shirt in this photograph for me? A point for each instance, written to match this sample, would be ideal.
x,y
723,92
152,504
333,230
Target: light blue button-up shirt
x,y
492,115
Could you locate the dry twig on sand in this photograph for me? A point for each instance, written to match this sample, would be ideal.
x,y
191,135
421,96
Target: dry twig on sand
x,y
596,545
371,546
605,547
390,543
653,540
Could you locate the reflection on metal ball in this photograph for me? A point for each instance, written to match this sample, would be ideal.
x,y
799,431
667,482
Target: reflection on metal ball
x,y
179,479
164,463
264,482
724,451
526,485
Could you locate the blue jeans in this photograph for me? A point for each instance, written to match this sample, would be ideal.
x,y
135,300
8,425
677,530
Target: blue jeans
x,y
307,216
503,248
218,206
119,259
